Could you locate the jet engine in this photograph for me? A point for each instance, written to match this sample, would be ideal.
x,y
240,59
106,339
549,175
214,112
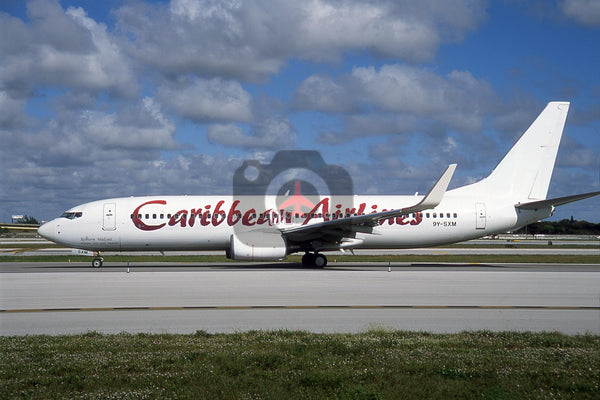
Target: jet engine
x,y
256,246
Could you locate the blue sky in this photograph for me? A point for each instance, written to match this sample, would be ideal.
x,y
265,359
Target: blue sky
x,y
104,99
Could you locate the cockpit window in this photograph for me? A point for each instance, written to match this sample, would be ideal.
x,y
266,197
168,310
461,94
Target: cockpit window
x,y
71,215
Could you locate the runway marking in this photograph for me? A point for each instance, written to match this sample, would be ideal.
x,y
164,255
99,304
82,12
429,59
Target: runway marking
x,y
300,307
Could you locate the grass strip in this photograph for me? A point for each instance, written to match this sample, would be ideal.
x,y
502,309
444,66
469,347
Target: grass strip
x,y
377,364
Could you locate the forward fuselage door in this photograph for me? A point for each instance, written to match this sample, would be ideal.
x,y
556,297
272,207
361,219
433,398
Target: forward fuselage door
x,y
109,219
480,216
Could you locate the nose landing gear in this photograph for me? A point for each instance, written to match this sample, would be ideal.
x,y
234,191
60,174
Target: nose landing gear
x,y
316,260
97,262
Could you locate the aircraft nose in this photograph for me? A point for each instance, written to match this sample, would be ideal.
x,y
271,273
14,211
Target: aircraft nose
x,y
47,230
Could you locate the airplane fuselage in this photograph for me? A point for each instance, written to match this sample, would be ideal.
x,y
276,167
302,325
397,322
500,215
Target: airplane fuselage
x,y
169,223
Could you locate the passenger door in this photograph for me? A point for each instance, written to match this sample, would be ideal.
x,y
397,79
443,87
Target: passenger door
x,y
109,221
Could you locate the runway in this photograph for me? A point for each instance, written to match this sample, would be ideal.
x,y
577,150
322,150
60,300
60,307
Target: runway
x,y
55,298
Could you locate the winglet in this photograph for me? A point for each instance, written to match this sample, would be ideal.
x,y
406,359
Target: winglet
x,y
435,195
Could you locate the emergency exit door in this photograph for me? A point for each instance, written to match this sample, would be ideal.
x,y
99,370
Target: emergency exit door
x,y
480,216
109,221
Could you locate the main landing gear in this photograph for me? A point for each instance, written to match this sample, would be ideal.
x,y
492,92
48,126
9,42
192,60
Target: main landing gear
x,y
316,260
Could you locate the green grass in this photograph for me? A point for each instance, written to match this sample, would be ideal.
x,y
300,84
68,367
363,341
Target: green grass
x,y
333,258
377,364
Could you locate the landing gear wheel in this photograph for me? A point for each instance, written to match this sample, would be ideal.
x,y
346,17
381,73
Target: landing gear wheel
x,y
316,260
320,261
308,259
97,263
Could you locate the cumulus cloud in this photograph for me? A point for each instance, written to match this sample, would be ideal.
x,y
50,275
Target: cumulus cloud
x,y
251,40
321,93
586,12
455,98
401,99
11,111
83,137
61,48
207,100
273,133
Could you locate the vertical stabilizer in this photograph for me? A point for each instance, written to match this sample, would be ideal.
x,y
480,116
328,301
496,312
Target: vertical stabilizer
x,y
526,169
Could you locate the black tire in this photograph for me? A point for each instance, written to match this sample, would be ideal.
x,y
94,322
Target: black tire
x,y
308,259
97,263
320,261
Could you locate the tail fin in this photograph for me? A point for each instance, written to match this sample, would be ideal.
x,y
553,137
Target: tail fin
x,y
526,169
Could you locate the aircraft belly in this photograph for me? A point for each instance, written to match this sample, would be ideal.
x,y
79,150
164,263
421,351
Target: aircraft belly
x,y
428,233
176,238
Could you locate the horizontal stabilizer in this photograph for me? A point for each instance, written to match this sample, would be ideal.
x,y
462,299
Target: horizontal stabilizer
x,y
559,201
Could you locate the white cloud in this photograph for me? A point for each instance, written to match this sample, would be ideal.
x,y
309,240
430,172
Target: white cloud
x,y
455,99
11,111
321,93
59,48
586,12
87,137
400,99
208,100
251,40
273,133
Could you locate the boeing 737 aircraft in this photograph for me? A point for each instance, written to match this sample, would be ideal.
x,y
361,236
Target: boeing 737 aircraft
x,y
258,229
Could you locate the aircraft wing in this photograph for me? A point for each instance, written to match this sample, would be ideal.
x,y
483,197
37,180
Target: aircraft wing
x,y
559,201
334,230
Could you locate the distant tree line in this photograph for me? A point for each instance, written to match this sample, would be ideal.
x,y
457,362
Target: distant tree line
x,y
562,227
27,220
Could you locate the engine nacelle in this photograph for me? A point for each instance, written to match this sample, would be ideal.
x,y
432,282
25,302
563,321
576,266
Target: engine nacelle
x,y
256,246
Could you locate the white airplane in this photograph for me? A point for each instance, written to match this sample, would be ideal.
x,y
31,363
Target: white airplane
x,y
512,196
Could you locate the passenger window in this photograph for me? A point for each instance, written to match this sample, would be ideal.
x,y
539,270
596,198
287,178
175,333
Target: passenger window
x,y
153,216
455,215
448,215
162,216
426,215
147,216
434,215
